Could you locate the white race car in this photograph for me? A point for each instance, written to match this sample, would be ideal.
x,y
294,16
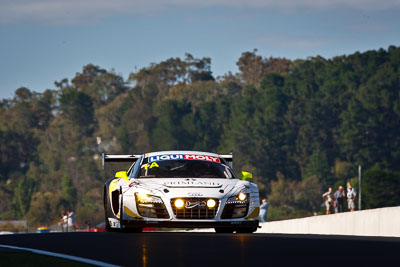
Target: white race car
x,y
180,189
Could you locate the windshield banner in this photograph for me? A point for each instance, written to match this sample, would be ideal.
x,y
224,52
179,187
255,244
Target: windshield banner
x,y
187,157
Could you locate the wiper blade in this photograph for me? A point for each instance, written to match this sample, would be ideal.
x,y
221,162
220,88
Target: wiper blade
x,y
178,167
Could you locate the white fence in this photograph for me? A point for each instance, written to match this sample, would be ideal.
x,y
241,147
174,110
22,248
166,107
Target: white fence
x,y
375,222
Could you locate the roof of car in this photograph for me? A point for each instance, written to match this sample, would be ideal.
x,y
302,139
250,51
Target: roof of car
x,y
173,152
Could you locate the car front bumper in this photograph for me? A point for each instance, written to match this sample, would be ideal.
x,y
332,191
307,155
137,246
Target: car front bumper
x,y
189,224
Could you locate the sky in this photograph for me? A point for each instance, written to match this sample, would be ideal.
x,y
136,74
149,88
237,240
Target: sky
x,y
43,41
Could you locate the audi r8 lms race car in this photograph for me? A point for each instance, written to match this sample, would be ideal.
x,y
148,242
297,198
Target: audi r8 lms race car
x,y
180,189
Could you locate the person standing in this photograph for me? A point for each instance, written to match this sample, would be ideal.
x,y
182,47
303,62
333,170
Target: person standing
x,y
339,196
264,210
64,221
71,220
327,196
351,197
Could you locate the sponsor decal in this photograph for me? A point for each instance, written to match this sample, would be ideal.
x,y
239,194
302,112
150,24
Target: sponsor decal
x,y
193,204
192,183
195,194
202,157
165,157
187,157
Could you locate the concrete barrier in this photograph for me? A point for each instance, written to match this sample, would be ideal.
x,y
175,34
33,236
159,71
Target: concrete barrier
x,y
374,222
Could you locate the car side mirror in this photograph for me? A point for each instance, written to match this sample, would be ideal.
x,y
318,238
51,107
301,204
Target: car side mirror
x,y
122,174
246,175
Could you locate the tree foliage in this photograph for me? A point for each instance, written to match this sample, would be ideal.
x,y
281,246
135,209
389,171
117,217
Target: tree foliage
x,y
297,125
380,188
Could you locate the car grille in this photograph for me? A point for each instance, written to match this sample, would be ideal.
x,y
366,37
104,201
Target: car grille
x,y
195,208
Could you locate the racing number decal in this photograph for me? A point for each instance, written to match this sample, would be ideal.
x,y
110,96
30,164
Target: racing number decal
x,y
153,165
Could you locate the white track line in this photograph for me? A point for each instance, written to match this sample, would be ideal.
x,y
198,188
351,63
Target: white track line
x,y
64,256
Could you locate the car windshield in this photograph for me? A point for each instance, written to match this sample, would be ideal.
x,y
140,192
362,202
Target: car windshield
x,y
184,169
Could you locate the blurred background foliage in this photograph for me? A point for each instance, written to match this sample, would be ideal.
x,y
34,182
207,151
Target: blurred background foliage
x,y
299,126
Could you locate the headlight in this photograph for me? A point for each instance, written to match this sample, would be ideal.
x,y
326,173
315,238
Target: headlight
x,y
150,206
179,203
240,198
211,203
144,198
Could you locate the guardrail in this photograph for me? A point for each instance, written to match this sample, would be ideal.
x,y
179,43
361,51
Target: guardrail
x,y
374,222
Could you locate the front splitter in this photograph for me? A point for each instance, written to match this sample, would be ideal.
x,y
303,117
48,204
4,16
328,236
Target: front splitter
x,y
179,224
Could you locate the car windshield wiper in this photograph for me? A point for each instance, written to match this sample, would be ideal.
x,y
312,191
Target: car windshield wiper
x,y
176,168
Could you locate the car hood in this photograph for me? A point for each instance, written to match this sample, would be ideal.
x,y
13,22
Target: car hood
x,y
207,187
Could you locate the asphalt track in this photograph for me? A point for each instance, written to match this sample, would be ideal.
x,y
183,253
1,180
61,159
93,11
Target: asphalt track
x,y
210,249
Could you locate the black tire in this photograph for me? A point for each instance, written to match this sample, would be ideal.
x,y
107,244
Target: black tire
x,y
224,230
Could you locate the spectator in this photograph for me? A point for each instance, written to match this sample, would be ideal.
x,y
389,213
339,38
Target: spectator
x,y
339,199
64,221
264,210
351,197
328,200
71,220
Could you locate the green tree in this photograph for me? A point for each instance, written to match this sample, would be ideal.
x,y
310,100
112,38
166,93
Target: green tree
x,y
102,86
45,209
302,125
168,132
318,165
23,195
68,191
254,67
380,188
